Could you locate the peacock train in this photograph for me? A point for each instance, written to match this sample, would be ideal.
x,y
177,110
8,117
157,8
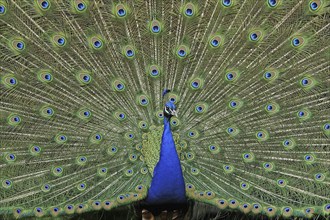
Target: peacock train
x,y
105,104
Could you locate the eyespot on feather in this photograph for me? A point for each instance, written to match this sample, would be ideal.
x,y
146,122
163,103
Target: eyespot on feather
x,y
120,10
182,51
256,35
84,77
9,81
129,52
154,71
79,6
155,27
189,10
45,76
3,8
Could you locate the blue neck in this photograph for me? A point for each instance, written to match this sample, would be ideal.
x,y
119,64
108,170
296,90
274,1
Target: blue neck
x,y
167,185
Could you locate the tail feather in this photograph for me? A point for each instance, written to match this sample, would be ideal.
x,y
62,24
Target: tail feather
x,y
82,99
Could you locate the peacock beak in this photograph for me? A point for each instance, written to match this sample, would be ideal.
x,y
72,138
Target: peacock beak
x,y
174,113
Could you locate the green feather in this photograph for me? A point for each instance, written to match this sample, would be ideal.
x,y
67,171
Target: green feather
x,y
82,106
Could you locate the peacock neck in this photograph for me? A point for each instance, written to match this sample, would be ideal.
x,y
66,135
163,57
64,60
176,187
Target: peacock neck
x,y
168,151
167,126
167,185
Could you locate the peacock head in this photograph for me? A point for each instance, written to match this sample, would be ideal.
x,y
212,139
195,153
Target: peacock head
x,y
169,110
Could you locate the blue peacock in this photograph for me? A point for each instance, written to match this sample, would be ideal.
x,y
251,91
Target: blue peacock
x,y
242,125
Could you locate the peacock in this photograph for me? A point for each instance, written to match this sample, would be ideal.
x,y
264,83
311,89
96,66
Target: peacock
x,y
106,104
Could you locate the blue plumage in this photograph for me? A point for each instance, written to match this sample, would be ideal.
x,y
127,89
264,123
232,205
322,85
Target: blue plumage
x,y
167,185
